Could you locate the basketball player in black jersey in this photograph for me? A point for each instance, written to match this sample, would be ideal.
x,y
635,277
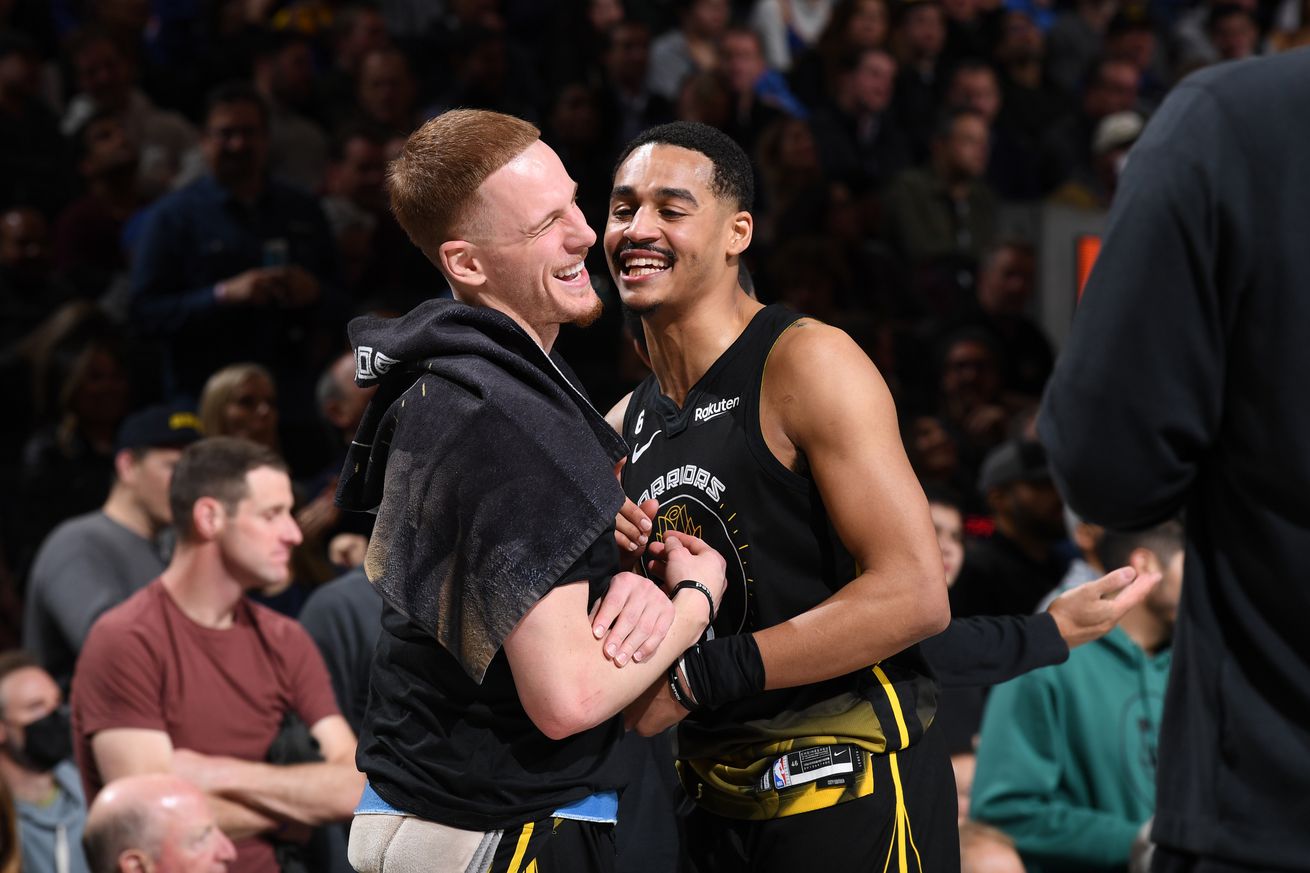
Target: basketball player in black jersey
x,y
804,725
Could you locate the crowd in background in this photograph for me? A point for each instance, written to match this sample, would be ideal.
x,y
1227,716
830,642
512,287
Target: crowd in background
x,y
192,206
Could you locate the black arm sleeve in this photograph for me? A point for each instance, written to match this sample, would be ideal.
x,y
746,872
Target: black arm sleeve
x,y
990,649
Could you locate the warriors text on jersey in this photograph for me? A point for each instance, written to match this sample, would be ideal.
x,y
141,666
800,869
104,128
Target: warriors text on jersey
x,y
714,477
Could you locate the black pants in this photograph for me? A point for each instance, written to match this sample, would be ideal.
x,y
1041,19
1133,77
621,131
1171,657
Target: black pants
x,y
861,835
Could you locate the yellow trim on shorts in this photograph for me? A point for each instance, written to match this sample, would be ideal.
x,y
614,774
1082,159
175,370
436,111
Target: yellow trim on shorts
x,y
525,836
903,834
895,703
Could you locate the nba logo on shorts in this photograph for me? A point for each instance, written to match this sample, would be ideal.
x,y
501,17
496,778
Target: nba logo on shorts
x,y
781,773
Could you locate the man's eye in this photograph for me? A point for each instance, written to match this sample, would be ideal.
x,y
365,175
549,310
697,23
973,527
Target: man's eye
x,y
621,212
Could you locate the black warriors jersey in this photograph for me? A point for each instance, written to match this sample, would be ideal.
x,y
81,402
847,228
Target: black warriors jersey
x,y
708,466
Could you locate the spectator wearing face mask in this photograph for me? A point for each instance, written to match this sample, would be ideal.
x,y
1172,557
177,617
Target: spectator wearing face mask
x,y
36,765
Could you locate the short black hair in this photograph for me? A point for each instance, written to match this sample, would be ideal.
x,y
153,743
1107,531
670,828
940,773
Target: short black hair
x,y
733,179
943,496
1164,540
232,92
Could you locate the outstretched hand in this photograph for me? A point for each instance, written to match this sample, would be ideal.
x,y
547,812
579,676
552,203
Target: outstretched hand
x,y
1091,610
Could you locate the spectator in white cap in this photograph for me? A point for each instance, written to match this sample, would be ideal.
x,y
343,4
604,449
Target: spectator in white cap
x,y
1113,136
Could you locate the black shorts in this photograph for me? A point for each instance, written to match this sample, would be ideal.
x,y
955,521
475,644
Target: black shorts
x,y
916,835
555,845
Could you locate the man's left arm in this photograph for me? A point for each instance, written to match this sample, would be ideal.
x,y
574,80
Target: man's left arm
x,y
824,400
1131,412
305,794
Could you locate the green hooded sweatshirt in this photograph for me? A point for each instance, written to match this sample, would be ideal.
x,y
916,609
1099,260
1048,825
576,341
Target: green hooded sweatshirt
x,y
1066,764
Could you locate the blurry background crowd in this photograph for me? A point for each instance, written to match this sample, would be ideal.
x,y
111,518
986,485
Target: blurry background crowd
x,y
192,207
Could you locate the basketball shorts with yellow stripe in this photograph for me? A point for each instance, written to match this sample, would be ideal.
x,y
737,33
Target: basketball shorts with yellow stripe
x,y
907,824
406,844
555,845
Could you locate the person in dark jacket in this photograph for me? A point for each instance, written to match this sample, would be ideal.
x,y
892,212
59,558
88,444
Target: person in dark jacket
x,y
1208,415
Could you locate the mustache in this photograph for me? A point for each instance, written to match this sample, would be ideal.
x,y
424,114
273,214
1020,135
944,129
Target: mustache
x,y
630,246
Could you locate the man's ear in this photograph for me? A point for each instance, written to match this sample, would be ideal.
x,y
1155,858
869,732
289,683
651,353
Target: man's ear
x,y
208,517
124,465
134,861
1144,561
742,229
462,263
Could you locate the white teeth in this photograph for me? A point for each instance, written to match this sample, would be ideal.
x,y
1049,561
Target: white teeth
x,y
568,274
644,266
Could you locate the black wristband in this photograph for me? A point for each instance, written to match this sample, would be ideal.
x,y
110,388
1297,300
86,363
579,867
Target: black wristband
x,y
724,669
698,586
675,688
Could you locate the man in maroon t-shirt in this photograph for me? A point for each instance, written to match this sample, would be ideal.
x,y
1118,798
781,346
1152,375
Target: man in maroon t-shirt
x,y
190,677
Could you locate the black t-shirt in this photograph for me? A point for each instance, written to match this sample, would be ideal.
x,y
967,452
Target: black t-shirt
x,y
440,746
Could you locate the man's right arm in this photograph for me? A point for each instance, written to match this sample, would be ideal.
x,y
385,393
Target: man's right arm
x,y
565,682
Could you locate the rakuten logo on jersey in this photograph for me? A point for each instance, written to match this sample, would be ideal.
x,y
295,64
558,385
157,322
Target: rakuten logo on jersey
x,y
714,410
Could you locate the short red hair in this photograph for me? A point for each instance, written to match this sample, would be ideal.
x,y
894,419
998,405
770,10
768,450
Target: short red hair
x,y
434,182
